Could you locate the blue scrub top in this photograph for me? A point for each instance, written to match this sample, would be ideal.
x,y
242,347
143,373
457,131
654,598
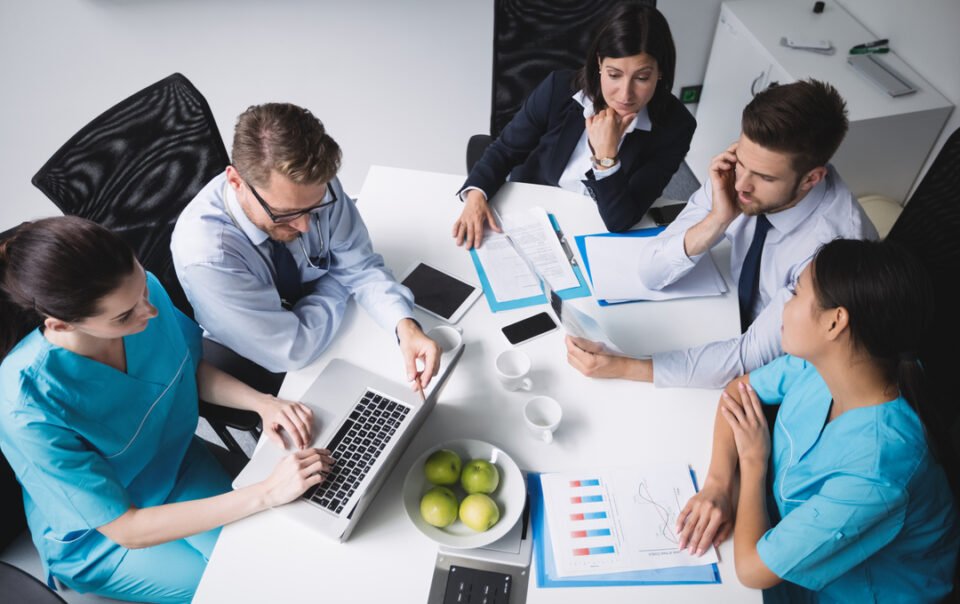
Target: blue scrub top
x,y
867,515
87,441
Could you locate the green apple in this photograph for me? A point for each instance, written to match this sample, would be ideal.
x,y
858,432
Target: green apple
x,y
479,512
479,476
442,467
438,507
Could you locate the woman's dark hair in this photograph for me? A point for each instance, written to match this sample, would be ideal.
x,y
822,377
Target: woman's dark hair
x,y
57,267
889,299
631,29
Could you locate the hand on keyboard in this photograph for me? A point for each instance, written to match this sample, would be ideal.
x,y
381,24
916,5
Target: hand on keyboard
x,y
297,472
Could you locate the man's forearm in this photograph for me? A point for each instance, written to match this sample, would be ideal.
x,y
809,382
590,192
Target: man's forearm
x,y
638,370
704,235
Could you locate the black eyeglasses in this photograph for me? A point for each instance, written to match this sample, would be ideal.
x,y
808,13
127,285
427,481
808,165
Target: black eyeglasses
x,y
291,216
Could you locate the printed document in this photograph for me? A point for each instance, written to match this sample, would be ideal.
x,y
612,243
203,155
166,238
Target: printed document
x,y
508,273
618,520
579,324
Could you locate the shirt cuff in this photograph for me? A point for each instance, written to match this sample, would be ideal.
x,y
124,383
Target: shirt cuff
x,y
665,369
676,251
463,193
601,174
390,315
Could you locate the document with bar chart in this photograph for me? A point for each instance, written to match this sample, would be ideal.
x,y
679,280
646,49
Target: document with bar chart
x,y
618,520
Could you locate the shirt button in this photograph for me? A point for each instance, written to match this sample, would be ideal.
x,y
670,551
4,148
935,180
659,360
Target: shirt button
x,y
838,536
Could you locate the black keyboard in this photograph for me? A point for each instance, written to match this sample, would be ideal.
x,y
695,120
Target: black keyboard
x,y
358,443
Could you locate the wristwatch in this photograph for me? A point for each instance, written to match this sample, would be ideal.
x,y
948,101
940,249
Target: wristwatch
x,y
603,163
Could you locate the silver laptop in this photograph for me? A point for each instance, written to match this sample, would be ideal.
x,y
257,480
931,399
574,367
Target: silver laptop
x,y
366,421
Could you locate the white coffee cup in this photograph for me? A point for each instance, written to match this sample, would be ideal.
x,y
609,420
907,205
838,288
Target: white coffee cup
x,y
513,370
542,416
449,338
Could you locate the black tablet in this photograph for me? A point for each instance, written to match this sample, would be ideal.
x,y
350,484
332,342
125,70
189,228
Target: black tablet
x,y
440,293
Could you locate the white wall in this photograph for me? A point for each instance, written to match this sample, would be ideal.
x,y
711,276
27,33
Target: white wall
x,y
692,23
924,34
396,82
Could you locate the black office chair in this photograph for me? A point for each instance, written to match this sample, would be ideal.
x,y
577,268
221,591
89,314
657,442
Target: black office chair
x,y
930,227
532,38
23,588
133,169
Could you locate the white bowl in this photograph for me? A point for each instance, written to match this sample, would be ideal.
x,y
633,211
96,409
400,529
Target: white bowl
x,y
510,496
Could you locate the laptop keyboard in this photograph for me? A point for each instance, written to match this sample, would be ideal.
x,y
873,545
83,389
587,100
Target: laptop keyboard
x,y
357,445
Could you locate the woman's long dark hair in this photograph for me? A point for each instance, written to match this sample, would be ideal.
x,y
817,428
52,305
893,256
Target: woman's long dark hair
x,y
631,29
890,301
57,267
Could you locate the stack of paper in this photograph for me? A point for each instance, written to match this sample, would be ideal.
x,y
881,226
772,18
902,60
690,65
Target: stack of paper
x,y
615,272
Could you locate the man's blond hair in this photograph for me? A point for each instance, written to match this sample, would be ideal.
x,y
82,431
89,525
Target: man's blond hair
x,y
286,139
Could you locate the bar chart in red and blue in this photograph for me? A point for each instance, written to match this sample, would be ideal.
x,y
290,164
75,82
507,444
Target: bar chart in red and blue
x,y
591,532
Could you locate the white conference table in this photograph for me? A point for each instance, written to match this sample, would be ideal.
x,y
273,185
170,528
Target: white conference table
x,y
409,214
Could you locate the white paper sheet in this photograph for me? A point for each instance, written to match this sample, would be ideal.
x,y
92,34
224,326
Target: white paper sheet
x,y
614,268
507,272
618,520
579,324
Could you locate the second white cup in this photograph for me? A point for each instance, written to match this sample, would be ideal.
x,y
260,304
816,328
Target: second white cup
x,y
542,416
513,370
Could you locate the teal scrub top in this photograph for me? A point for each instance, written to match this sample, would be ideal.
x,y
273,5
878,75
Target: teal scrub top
x,y
87,441
866,513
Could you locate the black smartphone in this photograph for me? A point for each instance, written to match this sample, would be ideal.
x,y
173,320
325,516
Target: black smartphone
x,y
664,215
531,327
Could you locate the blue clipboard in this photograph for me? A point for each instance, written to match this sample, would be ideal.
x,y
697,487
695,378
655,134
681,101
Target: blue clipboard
x,y
546,565
579,291
582,246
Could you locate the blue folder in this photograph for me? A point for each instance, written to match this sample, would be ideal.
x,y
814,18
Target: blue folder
x,y
582,246
547,567
578,291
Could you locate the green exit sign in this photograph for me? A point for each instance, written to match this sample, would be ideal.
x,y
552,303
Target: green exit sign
x,y
690,94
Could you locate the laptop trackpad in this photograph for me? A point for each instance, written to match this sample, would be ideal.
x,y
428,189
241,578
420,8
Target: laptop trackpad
x,y
268,453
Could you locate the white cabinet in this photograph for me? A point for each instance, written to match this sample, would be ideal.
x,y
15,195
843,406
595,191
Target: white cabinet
x,y
889,138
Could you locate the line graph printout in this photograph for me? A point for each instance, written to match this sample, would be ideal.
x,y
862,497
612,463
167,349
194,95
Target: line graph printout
x,y
618,520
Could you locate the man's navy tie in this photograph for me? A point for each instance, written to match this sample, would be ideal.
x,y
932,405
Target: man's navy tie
x,y
750,273
288,275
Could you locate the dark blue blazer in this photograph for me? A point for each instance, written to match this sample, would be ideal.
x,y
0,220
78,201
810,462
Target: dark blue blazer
x,y
536,146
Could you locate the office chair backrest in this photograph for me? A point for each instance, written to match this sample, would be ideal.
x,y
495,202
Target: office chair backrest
x,y
136,166
532,38
11,495
930,227
14,521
